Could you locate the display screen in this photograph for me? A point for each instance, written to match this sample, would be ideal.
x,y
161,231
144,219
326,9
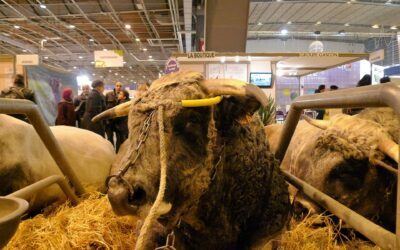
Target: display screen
x,y
262,80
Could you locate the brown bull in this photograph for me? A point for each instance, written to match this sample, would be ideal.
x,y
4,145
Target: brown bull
x,y
202,171
351,158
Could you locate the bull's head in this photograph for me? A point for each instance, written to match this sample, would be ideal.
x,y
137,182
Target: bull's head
x,y
356,159
175,123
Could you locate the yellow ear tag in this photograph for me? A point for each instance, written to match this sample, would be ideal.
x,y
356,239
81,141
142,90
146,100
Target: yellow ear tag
x,y
201,102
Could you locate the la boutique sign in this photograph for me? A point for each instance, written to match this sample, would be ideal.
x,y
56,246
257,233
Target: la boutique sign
x,y
207,54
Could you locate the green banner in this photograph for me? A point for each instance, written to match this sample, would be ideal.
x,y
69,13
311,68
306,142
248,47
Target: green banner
x,y
48,85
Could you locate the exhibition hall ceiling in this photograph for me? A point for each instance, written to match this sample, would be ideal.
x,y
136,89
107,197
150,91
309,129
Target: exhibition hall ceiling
x,y
350,20
65,33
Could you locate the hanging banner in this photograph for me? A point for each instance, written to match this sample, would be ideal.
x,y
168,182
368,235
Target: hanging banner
x,y
377,56
47,85
108,58
32,59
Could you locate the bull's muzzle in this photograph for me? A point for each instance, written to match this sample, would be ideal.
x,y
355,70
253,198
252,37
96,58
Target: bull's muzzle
x,y
124,198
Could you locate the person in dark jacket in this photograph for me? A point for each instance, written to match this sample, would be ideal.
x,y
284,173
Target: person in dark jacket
x,y
95,104
121,123
111,102
364,81
18,91
66,110
80,104
320,112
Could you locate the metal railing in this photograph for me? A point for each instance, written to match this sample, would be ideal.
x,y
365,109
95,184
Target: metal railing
x,y
387,94
28,191
12,106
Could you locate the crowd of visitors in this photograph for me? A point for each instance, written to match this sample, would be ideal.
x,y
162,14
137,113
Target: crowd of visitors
x,y
80,110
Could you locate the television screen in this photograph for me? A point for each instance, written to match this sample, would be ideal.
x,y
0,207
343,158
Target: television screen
x,y
262,80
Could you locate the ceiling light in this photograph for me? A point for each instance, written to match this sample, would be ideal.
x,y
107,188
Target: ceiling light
x,y
393,28
259,23
116,73
122,76
341,32
150,56
130,67
104,49
284,32
249,58
389,2
223,59
137,39
109,71
92,62
16,27
348,2
42,6
124,62
71,26
318,23
347,24
46,57
74,67
236,58
144,76
290,22
101,76
91,40
24,50
93,74
127,26
375,26
144,49
279,0
80,57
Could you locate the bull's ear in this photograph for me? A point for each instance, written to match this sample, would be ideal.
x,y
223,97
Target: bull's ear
x,y
235,108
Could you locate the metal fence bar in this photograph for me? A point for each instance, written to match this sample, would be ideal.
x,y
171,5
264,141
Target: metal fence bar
x,y
12,106
28,191
369,96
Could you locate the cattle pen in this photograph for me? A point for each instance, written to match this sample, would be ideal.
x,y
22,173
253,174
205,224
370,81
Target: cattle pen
x,y
369,96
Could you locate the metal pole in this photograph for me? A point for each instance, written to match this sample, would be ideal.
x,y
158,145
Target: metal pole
x,y
381,95
375,233
28,191
12,106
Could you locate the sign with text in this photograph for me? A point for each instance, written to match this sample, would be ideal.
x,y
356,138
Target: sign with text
x,y
108,58
171,65
31,59
377,56
319,54
206,54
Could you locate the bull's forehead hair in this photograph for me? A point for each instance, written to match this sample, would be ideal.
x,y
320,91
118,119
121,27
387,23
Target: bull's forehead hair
x,y
174,78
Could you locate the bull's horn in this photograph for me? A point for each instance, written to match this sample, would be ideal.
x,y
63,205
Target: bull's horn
x,y
390,148
117,111
235,88
316,123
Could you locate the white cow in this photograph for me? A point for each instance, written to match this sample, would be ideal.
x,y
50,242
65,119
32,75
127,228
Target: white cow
x,y
24,158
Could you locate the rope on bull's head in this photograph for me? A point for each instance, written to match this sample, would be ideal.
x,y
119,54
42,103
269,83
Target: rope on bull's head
x,y
157,208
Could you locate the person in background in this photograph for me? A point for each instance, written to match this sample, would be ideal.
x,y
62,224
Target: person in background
x,y
320,112
95,104
18,91
364,81
111,102
121,123
384,79
66,110
80,104
331,112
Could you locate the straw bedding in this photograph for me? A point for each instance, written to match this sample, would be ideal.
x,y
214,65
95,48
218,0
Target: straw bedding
x,y
93,225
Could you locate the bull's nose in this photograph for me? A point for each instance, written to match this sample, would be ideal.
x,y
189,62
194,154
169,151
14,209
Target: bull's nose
x,y
118,195
138,197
